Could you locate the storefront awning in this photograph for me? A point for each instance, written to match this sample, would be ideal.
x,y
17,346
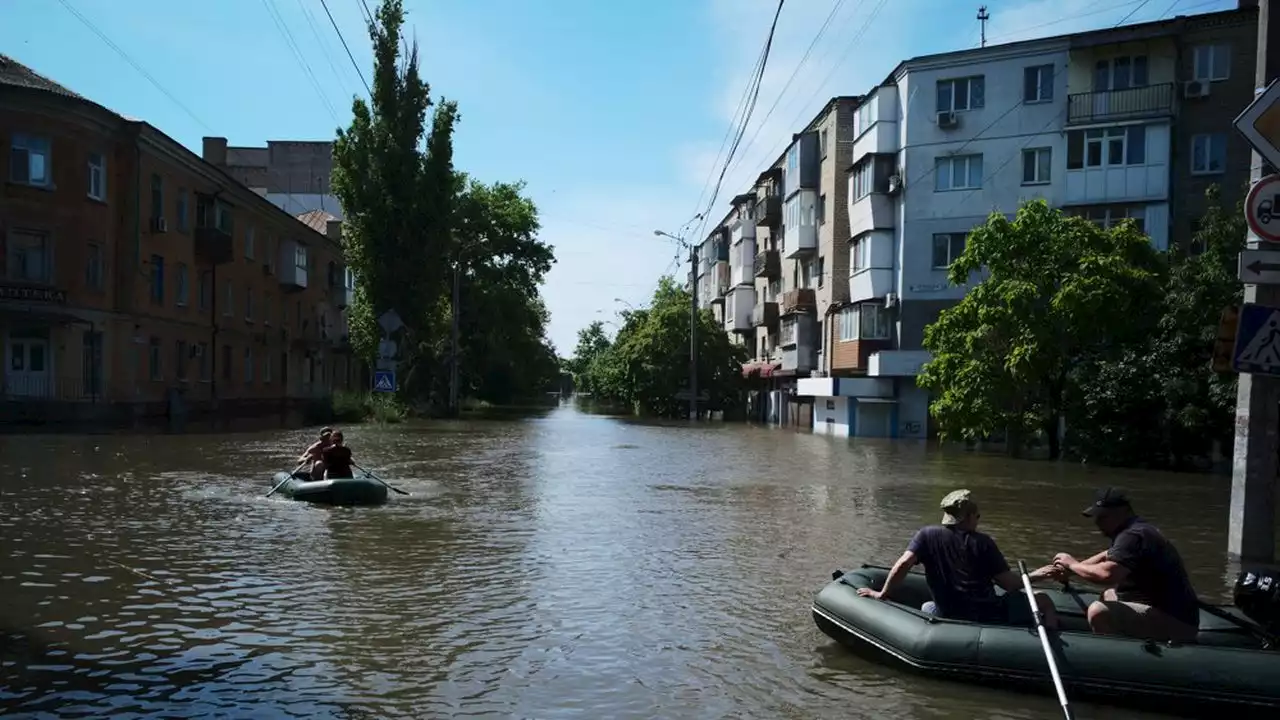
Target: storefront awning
x,y
760,369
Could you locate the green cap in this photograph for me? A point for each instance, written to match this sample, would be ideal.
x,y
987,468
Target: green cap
x,y
956,506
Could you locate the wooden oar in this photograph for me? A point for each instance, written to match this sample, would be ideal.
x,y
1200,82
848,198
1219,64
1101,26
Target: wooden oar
x,y
384,482
1044,641
282,482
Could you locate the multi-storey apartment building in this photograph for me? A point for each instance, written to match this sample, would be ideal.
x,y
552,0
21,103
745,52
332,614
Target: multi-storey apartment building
x,y
292,174
139,279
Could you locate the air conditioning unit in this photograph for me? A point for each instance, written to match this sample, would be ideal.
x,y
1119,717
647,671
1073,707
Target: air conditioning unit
x,y
891,300
159,225
948,120
1195,89
895,184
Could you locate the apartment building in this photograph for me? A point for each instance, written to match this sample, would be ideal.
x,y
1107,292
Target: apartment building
x,y
293,174
140,280
1132,122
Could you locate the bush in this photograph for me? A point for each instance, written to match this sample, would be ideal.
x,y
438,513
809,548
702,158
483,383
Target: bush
x,y
349,407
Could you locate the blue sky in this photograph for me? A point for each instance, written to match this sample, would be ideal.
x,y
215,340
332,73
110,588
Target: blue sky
x,y
612,111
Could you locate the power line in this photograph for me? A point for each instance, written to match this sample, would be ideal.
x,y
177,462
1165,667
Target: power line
x,y
283,28
324,49
354,64
87,23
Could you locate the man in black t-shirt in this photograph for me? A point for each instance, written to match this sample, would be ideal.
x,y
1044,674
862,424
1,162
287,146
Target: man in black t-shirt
x,y
962,566
337,458
1148,592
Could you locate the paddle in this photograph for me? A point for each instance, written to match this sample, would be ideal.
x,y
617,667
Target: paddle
x,y
1044,641
282,482
384,482
1269,641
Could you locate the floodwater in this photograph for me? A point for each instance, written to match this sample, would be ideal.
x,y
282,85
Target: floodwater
x,y
565,565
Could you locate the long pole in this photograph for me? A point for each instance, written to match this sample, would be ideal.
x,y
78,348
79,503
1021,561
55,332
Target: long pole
x,y
693,333
1044,642
1251,530
453,360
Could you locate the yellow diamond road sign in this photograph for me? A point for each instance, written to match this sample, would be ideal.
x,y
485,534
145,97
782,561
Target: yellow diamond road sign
x,y
1260,124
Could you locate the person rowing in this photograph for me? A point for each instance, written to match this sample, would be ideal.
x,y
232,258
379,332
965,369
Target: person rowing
x,y
313,457
337,458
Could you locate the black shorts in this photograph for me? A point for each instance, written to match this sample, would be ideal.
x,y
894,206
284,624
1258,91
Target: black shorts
x,y
1007,609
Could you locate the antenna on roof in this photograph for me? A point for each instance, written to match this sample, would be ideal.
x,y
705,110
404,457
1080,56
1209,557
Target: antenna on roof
x,y
983,17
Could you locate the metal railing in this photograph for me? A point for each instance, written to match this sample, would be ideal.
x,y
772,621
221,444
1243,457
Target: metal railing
x,y
1128,103
43,387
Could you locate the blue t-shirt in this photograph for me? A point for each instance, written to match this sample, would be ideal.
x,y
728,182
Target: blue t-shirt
x,y
960,567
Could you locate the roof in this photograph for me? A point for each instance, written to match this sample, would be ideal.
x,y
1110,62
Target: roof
x,y
16,74
317,220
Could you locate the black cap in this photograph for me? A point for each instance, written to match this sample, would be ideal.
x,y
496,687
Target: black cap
x,y
1112,497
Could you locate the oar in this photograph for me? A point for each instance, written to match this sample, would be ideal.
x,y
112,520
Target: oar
x,y
282,482
384,482
1044,641
1267,638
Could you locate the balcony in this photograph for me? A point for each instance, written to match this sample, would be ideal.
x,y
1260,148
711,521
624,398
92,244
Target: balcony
x,y
870,283
799,301
874,211
769,211
765,315
880,138
800,222
799,349
737,309
767,264
896,363
742,230
341,296
292,268
212,245
1115,105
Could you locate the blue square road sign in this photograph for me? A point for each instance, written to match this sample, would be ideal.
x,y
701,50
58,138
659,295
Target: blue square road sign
x,y
1257,348
384,381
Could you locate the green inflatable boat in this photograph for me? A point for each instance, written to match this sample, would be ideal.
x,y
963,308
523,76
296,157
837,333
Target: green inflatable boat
x,y
344,491
1227,669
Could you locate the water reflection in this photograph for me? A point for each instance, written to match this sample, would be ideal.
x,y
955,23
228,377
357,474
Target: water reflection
x,y
551,565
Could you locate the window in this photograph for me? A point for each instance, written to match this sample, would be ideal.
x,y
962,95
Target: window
x,y
962,172
266,309
29,161
229,299
93,267
28,257
787,331
860,254
248,303
1035,166
248,365
266,370
153,359
861,179
946,248
222,217
248,243
1106,147
1037,84
822,209
1208,153
820,269
157,280
183,295
849,323
97,177
865,117
181,211
91,362
270,259
180,360
202,353
822,142
332,272
206,289
157,197
874,320
226,362
961,94
1108,216
1211,62
1120,73
300,259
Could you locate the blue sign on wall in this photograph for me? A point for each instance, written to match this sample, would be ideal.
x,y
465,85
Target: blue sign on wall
x,y
384,381
1257,347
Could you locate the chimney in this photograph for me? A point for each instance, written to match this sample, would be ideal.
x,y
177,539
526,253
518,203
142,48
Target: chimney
x,y
215,151
333,230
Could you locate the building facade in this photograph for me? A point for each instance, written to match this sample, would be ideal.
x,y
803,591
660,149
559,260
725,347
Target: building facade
x,y
142,281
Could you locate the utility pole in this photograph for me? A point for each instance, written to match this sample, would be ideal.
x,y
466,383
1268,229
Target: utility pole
x,y
1251,532
983,17
453,355
693,332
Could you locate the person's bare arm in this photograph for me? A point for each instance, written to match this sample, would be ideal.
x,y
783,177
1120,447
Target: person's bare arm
x,y
1012,581
900,568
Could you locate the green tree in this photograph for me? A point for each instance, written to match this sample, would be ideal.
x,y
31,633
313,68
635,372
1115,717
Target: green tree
x,y
1161,402
592,344
648,363
396,196
1056,291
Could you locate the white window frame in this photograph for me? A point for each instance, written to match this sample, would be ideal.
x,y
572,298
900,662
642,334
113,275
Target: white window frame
x,y
873,322
1206,59
1109,216
865,117
787,331
1044,76
22,148
860,255
1104,139
862,177
97,167
945,168
1203,147
952,254
1037,165
967,84
849,324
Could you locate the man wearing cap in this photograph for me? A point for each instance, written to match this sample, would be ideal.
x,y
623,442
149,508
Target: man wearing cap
x,y
961,566
1148,592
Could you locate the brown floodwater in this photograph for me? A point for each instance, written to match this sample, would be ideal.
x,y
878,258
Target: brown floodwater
x,y
561,565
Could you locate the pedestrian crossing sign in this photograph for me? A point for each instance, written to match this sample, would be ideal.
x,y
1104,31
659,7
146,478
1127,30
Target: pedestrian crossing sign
x,y
1257,348
384,381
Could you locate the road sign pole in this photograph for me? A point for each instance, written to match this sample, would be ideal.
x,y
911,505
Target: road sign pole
x,y
1251,531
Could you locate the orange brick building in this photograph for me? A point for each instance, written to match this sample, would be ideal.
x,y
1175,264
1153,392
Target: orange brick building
x,y
137,279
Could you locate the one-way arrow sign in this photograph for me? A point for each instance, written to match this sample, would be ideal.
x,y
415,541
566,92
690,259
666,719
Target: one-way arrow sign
x,y
1260,267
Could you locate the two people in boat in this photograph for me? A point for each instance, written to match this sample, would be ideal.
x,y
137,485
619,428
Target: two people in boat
x,y
329,457
1148,595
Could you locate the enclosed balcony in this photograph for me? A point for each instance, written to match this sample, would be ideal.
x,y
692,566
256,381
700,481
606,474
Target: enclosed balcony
x,y
800,218
769,210
1135,103
737,309
765,315
799,301
767,264
293,265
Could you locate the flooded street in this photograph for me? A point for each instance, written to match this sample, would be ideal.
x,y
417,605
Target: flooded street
x,y
566,565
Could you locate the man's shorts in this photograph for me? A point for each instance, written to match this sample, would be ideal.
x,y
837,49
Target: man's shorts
x,y
1007,609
